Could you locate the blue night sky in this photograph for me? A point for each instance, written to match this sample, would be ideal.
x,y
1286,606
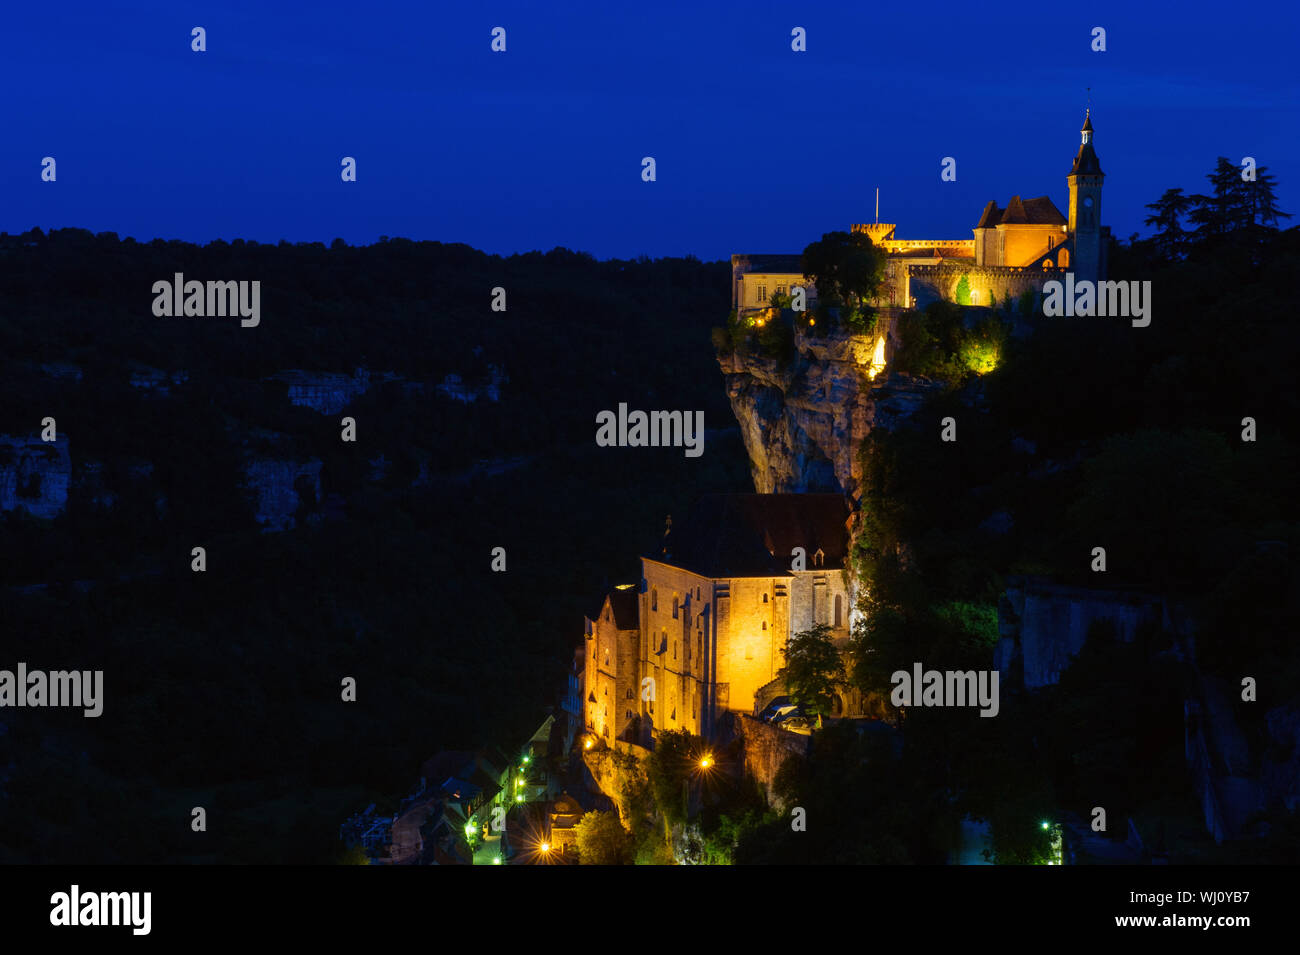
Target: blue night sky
x,y
759,149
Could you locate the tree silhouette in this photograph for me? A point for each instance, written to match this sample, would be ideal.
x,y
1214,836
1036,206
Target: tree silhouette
x,y
1167,213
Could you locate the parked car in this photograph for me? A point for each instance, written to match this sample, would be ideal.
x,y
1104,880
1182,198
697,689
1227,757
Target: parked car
x,y
799,724
787,714
784,713
772,708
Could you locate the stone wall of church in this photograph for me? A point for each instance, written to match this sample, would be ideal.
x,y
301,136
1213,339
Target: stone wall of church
x,y
813,595
752,625
679,670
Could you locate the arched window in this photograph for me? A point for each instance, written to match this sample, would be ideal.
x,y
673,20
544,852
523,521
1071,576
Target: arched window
x,y
675,605
654,599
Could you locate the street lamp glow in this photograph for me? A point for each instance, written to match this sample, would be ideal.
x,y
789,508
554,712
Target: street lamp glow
x,y
519,797
546,847
496,860
706,762
526,760
1044,825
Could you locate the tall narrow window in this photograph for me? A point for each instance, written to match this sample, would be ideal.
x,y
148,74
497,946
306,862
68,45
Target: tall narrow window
x,y
654,599
839,610
675,606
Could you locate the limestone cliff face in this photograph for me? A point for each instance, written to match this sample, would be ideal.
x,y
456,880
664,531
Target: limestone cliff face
x,y
275,482
34,475
804,421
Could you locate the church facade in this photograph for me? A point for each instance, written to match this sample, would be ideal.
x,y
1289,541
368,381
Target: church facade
x,y
1014,249
703,633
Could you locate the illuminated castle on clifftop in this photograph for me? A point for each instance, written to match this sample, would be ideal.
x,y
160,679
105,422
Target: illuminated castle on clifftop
x,y
1014,249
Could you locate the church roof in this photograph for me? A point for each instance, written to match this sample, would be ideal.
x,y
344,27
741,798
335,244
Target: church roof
x,y
752,535
625,603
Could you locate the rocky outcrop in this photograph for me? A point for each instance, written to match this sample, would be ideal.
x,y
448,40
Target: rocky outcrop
x,y
276,482
324,392
616,773
804,421
1042,625
455,388
34,475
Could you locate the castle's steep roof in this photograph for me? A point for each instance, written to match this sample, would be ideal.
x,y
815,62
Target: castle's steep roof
x,y
991,217
1042,211
1014,214
1037,211
753,535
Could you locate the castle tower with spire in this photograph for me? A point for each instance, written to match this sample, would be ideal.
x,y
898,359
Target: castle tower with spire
x,y
1085,181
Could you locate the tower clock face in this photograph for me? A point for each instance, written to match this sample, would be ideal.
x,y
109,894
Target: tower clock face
x,y
1087,202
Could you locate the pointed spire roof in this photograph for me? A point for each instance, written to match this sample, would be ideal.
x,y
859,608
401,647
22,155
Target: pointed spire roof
x,y
1086,162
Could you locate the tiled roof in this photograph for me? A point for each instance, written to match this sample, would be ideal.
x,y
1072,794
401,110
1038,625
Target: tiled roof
x,y
626,606
991,217
1038,211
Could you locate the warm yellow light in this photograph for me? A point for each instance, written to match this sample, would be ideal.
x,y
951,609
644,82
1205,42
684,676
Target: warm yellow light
x,y
587,744
812,321
706,762
546,847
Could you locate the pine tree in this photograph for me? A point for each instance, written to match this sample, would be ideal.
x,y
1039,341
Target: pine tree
x,y
1167,211
1217,214
1261,202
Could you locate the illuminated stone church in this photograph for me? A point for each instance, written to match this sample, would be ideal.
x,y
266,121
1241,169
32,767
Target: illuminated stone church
x,y
1014,249
703,633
